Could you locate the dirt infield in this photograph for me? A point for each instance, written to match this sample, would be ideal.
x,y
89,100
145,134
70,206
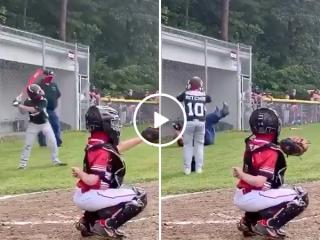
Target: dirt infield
x,y
51,215
211,215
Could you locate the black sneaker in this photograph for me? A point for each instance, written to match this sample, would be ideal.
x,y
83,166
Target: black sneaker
x,y
84,228
225,110
262,228
60,164
245,227
106,231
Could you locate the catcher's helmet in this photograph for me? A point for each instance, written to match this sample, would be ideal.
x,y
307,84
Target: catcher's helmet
x,y
195,83
265,121
106,119
34,92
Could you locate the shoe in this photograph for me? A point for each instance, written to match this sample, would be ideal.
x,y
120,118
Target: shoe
x,y
176,126
84,228
217,111
225,110
199,170
104,230
21,167
60,164
262,228
187,171
245,227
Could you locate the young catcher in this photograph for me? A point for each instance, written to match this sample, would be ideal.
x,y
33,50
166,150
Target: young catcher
x,y
194,99
107,204
36,105
268,205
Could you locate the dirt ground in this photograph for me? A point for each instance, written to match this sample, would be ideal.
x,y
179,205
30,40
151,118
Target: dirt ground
x,y
211,215
51,215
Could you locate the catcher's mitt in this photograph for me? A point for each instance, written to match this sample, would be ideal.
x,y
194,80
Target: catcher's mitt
x,y
151,134
294,146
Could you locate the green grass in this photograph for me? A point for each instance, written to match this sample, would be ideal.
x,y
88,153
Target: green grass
x,y
142,164
220,158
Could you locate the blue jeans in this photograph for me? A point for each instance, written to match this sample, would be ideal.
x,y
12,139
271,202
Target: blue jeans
x,y
210,134
55,124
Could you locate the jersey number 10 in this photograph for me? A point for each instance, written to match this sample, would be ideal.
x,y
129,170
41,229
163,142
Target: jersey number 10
x,y
196,109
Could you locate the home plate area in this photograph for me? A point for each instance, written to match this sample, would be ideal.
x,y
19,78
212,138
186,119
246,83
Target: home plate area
x,y
211,215
52,214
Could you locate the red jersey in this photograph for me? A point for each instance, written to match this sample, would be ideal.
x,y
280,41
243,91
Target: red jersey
x,y
98,161
260,161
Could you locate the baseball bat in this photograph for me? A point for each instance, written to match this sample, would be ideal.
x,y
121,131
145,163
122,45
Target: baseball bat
x,y
32,79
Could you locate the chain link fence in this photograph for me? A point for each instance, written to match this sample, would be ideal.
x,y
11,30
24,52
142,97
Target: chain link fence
x,y
21,53
126,109
294,112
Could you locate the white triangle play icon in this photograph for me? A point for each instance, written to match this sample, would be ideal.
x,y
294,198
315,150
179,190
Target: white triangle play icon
x,y
158,120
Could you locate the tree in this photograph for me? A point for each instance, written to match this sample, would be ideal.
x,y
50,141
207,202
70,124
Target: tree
x,y
225,19
63,19
284,36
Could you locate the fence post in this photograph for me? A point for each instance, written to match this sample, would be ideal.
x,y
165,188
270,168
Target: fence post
x,y
43,54
239,88
205,63
76,75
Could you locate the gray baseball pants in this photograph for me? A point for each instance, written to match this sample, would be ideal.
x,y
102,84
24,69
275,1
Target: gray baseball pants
x,y
31,134
193,143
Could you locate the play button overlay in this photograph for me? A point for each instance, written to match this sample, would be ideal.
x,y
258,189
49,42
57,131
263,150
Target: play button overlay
x,y
161,111
159,120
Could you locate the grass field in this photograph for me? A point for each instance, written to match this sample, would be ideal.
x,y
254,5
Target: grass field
x,y
142,164
220,158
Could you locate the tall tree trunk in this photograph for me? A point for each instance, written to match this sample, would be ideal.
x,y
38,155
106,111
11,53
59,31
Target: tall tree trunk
x,y
225,19
187,13
63,19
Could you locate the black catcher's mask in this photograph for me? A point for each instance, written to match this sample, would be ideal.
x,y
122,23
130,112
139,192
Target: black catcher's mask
x,y
106,119
265,121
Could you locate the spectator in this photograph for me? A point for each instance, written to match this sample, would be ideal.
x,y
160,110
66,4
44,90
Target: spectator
x,y
129,94
123,112
315,96
95,96
147,93
52,94
293,94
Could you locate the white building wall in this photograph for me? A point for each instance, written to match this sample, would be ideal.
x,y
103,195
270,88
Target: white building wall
x,y
186,54
20,54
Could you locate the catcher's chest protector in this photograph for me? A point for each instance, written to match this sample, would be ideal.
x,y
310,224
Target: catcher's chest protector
x,y
116,170
281,166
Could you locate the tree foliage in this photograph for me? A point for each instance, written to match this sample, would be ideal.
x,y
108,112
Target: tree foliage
x,y
123,36
284,36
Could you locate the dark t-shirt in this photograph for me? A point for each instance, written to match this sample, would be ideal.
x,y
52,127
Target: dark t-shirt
x,y
41,116
52,94
195,104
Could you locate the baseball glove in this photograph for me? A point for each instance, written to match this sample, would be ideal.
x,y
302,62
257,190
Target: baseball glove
x,y
151,134
294,146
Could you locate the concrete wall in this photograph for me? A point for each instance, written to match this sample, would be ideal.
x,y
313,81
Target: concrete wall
x,y
13,78
222,86
186,54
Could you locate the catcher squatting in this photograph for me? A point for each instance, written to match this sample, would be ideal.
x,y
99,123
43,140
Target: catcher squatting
x,y
107,204
260,193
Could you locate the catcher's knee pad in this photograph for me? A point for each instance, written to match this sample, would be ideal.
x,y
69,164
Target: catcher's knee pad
x,y
291,210
106,213
128,211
